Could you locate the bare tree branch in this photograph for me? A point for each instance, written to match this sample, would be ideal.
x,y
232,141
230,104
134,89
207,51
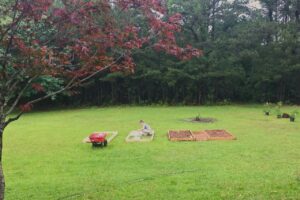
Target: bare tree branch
x,y
10,120
12,107
72,83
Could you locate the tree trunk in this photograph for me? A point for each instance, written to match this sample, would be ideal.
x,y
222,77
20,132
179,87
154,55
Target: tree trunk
x,y
213,21
199,96
2,181
270,14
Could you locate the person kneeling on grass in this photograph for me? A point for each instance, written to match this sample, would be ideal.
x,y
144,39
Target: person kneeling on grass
x,y
146,129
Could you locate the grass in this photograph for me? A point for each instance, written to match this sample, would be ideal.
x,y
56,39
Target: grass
x,y
45,159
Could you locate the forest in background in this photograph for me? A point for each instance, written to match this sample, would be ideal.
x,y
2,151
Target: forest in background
x,y
250,54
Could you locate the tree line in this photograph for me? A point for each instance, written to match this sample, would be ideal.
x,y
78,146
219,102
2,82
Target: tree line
x,y
250,54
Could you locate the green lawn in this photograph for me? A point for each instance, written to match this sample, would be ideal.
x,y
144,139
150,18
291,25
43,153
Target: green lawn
x,y
45,159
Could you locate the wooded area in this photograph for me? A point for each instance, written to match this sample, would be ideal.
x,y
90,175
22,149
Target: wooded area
x,y
251,54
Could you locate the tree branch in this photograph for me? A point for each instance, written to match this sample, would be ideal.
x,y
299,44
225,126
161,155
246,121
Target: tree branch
x,y
12,107
10,120
14,21
72,82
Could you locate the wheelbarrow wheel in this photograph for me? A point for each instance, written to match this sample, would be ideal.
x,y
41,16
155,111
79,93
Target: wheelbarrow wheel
x,y
105,143
94,144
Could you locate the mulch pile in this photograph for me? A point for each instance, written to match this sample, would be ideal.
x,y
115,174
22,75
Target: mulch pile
x,y
187,135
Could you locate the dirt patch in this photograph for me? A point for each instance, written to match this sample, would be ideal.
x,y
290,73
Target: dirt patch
x,y
187,135
182,135
200,120
200,135
219,135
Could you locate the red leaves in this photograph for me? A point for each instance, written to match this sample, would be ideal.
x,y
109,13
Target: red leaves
x,y
20,44
26,107
87,32
82,37
190,52
40,57
148,6
59,12
186,53
77,12
126,65
167,42
130,38
81,49
37,87
134,44
34,9
176,19
75,18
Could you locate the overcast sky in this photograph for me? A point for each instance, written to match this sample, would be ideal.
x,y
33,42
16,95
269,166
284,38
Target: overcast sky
x,y
255,3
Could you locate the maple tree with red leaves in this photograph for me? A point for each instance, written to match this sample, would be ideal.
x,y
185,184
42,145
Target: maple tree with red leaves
x,y
72,41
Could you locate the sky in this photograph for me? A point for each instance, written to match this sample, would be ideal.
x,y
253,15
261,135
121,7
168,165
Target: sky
x,y
252,3
255,3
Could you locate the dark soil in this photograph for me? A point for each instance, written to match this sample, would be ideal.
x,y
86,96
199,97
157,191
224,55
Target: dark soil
x,y
180,134
217,133
187,135
200,135
200,120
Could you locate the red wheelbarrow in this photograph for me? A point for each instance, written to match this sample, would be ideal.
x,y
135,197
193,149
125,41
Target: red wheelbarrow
x,y
100,139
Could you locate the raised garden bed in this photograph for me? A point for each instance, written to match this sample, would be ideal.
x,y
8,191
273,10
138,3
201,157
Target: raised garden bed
x,y
219,135
136,136
181,135
187,135
200,135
